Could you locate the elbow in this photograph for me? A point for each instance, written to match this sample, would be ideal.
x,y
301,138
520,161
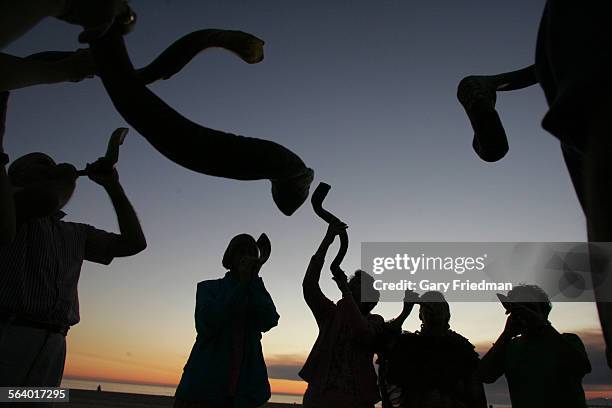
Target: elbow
x,y
140,246
136,247
270,324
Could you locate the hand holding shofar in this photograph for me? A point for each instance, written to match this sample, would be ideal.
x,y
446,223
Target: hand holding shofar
x,y
318,196
112,150
35,202
477,94
189,144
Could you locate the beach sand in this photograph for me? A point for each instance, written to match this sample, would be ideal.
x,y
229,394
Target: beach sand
x,y
104,399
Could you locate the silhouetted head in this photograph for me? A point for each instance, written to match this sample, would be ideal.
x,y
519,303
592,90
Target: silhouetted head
x,y
360,283
242,245
434,312
531,297
40,178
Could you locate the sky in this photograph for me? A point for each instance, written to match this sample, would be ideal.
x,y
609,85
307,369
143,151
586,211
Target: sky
x,y
365,92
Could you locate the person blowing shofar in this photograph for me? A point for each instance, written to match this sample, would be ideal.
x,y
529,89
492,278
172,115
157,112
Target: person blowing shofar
x,y
226,367
41,259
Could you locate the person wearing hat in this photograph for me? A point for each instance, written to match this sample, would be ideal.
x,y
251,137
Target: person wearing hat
x,y
542,366
434,367
41,258
226,367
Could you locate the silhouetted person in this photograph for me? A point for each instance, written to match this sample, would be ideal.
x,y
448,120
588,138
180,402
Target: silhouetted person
x,y
340,370
542,366
41,260
573,62
226,367
431,368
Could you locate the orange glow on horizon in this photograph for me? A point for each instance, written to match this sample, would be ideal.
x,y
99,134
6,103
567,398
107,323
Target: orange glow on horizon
x,y
290,387
82,367
598,391
151,371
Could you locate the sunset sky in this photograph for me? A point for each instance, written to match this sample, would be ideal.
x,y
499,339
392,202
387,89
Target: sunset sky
x,y
364,91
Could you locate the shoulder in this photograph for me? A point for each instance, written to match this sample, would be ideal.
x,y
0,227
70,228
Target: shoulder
x,y
74,227
210,284
376,319
69,224
460,341
72,230
573,339
463,349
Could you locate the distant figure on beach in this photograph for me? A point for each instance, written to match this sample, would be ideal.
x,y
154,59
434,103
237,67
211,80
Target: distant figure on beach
x,y
99,388
573,63
41,259
226,367
542,366
339,370
433,367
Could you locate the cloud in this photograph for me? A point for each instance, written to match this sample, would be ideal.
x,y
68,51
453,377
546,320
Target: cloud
x,y
285,366
596,349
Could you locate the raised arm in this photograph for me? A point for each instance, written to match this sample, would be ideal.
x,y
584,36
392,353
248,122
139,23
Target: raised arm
x,y
17,72
131,239
410,298
492,364
318,303
7,205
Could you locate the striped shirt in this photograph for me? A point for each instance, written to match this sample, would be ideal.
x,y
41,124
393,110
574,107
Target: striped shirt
x,y
40,269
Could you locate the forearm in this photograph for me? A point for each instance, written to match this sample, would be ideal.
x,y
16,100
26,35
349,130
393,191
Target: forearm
x,y
491,365
19,16
313,272
261,307
16,72
398,322
132,239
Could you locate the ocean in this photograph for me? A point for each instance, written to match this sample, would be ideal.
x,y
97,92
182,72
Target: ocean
x,y
153,389
169,391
